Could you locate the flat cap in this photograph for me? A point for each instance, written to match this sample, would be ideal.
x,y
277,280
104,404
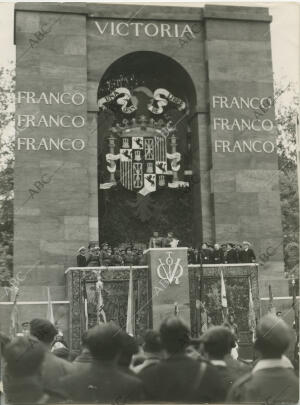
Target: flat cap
x,y
274,333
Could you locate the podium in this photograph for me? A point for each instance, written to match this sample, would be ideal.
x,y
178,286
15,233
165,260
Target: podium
x,y
169,283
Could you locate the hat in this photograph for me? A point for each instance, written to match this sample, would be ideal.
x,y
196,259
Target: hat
x,y
80,249
246,243
272,335
24,355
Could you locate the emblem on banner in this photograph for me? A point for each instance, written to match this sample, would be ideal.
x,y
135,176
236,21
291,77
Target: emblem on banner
x,y
169,270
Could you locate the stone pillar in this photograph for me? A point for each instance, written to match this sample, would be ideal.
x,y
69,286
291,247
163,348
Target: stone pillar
x,y
52,212
244,179
170,283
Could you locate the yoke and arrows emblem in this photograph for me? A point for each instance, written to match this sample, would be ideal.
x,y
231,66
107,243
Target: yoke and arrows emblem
x,y
166,272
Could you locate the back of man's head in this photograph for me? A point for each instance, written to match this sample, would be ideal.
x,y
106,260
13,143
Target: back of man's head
x,y
174,334
129,347
273,336
152,342
43,330
218,342
24,356
104,342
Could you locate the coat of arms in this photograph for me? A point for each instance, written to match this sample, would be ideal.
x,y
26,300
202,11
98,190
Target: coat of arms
x,y
142,153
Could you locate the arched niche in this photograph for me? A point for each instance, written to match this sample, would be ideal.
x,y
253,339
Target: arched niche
x,y
124,215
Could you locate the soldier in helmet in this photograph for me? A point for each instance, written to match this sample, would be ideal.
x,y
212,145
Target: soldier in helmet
x,y
273,379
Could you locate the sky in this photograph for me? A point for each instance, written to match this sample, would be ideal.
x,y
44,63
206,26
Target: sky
x,y
284,34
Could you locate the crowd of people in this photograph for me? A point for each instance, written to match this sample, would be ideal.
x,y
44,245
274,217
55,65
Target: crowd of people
x,y
168,366
95,256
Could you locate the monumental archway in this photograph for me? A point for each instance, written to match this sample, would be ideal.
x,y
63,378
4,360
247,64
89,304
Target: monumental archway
x,y
145,97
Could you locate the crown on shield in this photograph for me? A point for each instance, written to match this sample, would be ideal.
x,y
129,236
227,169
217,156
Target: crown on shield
x,y
131,127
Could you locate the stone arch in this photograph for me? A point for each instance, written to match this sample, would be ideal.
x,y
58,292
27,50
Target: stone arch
x,y
143,72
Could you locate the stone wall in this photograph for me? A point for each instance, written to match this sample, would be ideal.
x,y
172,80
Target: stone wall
x,y
59,48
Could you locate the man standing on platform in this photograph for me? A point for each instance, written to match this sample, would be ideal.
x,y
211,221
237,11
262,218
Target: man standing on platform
x,y
231,254
217,255
247,254
81,259
155,241
205,254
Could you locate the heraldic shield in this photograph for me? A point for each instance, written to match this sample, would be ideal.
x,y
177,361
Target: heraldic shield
x,y
143,161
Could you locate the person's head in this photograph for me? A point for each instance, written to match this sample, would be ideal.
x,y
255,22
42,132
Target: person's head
x,y
24,356
43,330
104,342
216,246
230,246
204,246
155,234
91,245
134,251
209,320
218,342
129,347
128,251
273,336
152,342
246,245
109,251
231,318
170,234
174,335
104,246
224,246
116,251
82,250
122,252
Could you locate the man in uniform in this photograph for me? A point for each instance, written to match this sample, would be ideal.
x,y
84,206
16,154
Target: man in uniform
x,y
273,379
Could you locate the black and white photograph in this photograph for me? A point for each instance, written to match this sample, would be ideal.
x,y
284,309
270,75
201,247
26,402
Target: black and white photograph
x,y
149,205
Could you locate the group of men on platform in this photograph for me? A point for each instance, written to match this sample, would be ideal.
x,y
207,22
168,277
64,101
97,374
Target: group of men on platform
x,y
95,256
225,253
167,366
